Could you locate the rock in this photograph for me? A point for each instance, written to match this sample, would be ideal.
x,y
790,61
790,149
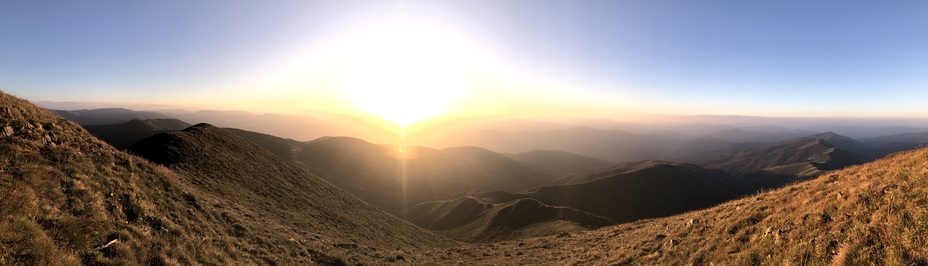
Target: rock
x,y
7,131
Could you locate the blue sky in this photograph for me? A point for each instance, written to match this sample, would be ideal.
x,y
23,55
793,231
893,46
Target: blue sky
x,y
776,58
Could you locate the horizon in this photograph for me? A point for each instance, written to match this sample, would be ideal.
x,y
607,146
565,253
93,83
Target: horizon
x,y
415,62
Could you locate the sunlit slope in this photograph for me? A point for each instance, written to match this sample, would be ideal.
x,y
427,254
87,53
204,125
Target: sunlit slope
x,y
872,214
67,194
71,199
227,166
471,219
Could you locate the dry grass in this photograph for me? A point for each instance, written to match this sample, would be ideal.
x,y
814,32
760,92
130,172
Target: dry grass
x,y
65,194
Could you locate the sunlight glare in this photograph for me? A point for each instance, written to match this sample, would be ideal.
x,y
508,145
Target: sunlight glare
x,y
406,71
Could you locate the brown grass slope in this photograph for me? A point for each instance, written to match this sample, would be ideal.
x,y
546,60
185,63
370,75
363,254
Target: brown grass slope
x,y
66,194
872,214
473,220
69,199
229,167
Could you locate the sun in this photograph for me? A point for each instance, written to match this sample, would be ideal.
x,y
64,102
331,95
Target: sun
x,y
406,71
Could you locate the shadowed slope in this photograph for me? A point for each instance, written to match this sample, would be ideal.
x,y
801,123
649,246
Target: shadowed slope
x,y
125,134
471,219
107,116
775,165
655,190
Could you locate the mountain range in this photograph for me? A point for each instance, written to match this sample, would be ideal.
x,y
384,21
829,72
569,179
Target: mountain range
x,y
210,195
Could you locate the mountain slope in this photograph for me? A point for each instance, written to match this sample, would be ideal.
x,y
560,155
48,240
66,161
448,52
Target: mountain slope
x,y
473,220
862,215
774,165
71,199
227,166
658,190
382,176
125,134
67,194
899,142
521,174
559,163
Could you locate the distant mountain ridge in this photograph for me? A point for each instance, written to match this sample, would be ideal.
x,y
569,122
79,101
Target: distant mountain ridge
x,y
125,134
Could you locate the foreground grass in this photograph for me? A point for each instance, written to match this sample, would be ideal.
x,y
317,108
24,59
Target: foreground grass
x,y
67,198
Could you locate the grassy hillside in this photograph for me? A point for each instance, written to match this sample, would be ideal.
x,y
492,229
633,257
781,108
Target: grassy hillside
x,y
70,199
870,214
227,166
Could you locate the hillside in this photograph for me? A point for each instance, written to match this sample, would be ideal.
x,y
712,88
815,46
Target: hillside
x,y
70,199
473,220
626,193
862,215
125,134
559,164
774,165
525,176
658,190
381,175
227,166
394,180
883,145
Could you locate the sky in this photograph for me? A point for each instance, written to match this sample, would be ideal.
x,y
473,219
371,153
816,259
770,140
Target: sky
x,y
411,60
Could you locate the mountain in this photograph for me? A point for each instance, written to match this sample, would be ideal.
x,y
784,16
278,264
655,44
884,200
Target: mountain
x,y
227,166
107,116
125,134
861,215
610,145
774,165
899,142
473,220
525,176
394,181
623,195
559,163
71,199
